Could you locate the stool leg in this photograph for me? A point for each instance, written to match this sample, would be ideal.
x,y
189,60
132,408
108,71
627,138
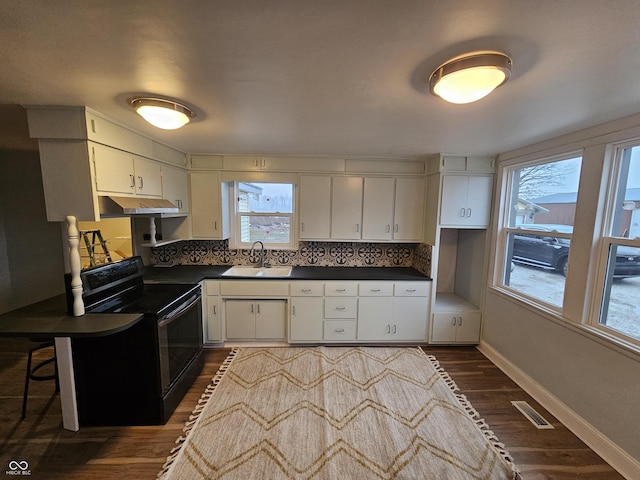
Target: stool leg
x,y
26,385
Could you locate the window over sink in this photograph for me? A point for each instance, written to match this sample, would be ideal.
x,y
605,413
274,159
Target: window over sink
x,y
263,212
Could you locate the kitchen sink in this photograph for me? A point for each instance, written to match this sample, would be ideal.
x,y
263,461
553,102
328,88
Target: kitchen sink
x,y
258,272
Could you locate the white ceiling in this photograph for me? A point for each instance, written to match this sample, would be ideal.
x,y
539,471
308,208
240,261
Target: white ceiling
x,y
327,77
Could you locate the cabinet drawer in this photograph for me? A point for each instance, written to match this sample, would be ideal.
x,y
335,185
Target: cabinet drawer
x,y
306,289
340,307
412,289
375,289
340,289
211,288
339,330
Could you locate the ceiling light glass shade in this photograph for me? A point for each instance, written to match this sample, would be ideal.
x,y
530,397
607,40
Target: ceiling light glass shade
x,y
470,77
161,113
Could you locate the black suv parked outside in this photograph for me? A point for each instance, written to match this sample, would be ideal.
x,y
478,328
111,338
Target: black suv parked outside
x,y
549,251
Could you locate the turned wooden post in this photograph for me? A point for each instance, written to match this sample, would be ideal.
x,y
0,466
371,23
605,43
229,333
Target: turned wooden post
x,y
76,265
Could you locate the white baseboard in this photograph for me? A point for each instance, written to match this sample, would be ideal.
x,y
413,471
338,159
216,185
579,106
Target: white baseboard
x,y
615,456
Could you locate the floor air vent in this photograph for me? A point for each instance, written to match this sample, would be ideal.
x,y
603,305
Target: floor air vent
x,y
531,414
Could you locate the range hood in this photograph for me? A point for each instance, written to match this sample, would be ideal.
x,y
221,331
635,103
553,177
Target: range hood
x,y
125,206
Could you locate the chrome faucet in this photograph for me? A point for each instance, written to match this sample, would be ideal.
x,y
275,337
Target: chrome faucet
x,y
261,261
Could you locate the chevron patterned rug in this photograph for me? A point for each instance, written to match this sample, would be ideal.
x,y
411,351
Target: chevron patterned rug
x,y
335,413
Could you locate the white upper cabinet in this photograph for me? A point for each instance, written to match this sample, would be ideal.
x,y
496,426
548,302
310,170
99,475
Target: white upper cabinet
x,y
466,200
122,172
377,208
175,187
346,208
315,207
83,155
408,212
209,206
393,209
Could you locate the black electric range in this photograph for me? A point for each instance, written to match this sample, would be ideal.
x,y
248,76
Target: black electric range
x,y
140,375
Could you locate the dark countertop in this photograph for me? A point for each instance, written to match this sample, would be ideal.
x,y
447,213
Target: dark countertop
x,y
50,318
196,273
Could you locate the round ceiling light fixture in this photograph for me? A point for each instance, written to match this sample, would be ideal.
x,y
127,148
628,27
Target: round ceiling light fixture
x,y
162,113
470,77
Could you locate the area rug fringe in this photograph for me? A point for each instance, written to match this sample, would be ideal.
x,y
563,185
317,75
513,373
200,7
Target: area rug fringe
x,y
195,414
474,415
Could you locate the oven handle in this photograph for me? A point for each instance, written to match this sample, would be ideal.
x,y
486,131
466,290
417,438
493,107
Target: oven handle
x,y
189,303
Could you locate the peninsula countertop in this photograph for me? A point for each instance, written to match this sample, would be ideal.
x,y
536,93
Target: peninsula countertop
x,y
49,318
192,274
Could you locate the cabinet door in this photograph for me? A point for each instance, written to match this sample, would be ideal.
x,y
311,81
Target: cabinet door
x,y
468,330
377,209
212,324
315,207
240,319
113,170
479,200
375,317
409,209
148,177
443,329
306,319
453,209
410,318
207,219
270,319
346,208
175,187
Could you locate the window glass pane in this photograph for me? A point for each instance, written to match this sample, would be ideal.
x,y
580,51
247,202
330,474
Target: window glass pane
x,y
620,309
268,229
542,199
265,197
545,193
626,215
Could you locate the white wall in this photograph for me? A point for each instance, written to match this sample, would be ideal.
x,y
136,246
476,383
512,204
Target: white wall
x,y
594,378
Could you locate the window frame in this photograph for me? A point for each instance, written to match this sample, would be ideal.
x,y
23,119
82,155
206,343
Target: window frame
x,y
501,263
235,241
603,273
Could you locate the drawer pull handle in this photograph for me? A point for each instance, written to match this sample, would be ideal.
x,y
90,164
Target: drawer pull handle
x,y
341,308
341,289
410,290
339,330
306,290
374,290
293,310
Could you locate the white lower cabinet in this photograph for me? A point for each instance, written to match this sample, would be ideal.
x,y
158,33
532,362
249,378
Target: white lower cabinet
x,y
211,314
401,317
255,319
455,321
306,320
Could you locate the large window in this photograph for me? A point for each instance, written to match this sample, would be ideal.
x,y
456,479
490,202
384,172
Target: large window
x,y
538,228
620,252
263,212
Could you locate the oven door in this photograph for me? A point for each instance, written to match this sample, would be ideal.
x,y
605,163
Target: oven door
x,y
180,339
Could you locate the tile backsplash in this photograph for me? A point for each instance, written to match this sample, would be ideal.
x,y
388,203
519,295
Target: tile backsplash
x,y
330,254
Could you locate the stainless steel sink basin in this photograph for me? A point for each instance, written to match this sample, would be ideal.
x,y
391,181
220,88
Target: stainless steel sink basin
x,y
258,272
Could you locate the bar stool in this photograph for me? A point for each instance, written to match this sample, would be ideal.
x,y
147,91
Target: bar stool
x,y
32,372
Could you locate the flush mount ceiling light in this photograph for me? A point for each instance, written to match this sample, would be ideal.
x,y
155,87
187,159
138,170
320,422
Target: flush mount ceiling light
x,y
162,113
470,77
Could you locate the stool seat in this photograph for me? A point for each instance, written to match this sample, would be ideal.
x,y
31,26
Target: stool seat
x,y
32,371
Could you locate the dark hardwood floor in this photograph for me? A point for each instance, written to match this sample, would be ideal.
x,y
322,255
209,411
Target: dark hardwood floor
x,y
107,453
